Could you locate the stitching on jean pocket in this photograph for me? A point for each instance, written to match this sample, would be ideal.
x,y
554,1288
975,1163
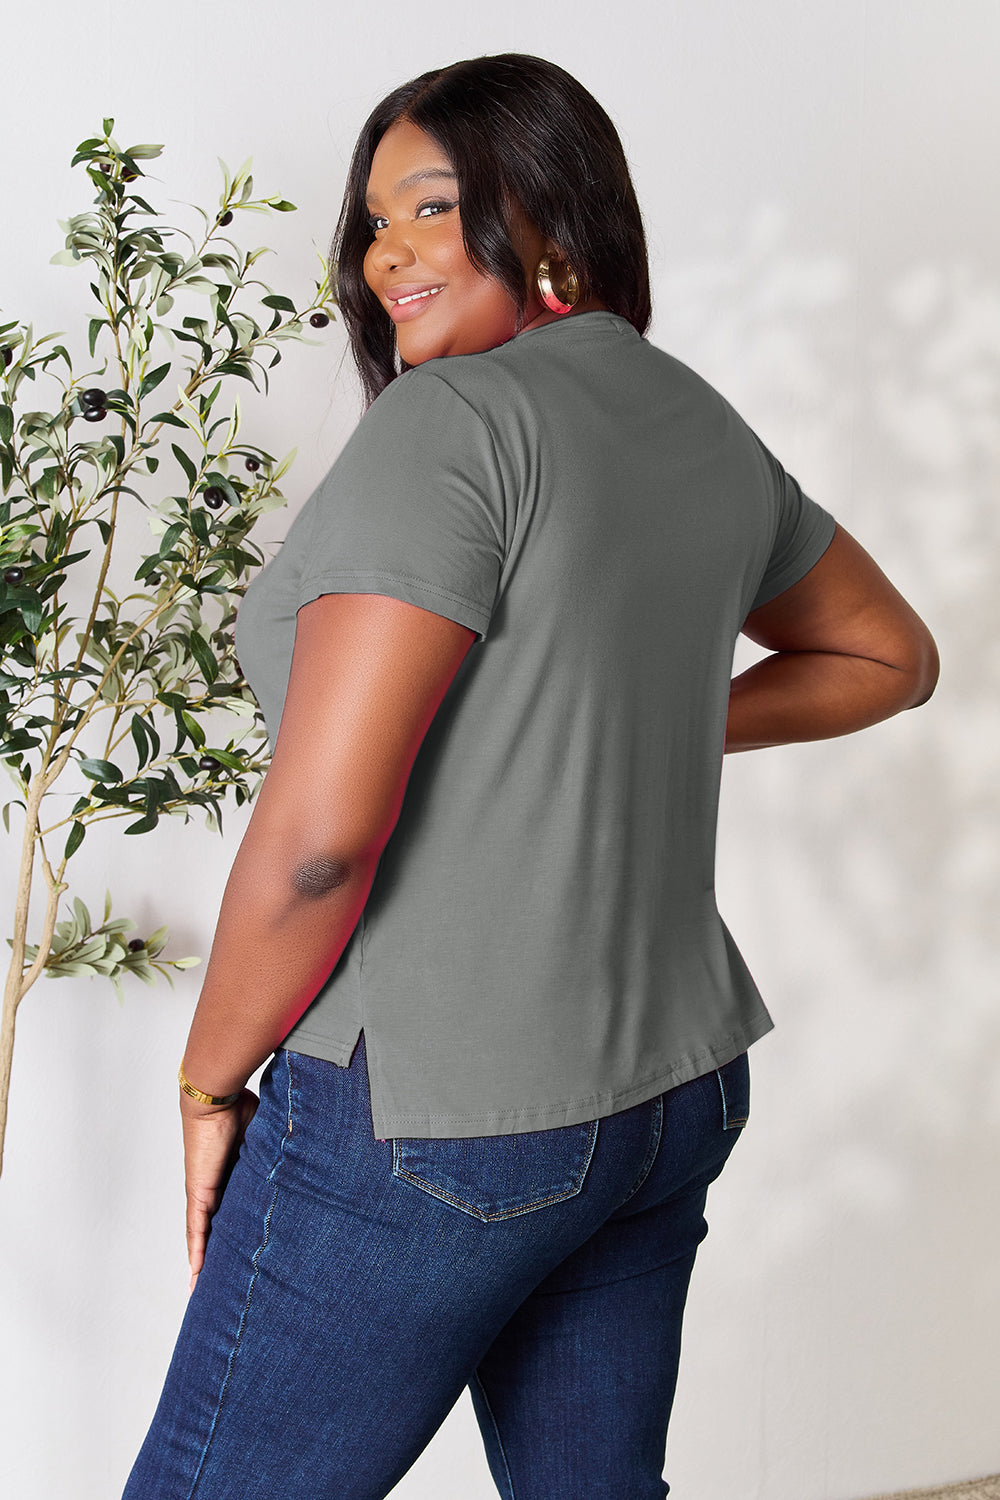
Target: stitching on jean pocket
x,y
499,1176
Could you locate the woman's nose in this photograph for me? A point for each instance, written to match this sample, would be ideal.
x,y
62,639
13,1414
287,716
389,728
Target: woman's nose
x,y
393,249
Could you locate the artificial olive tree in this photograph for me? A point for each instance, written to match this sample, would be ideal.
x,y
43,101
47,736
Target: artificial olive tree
x,y
120,692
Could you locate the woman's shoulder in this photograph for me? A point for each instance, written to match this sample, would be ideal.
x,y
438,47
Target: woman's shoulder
x,y
445,390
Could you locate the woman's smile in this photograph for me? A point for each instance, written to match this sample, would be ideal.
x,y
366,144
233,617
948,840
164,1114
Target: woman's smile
x,y
406,302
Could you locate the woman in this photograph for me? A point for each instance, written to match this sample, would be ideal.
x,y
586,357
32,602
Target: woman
x,y
473,913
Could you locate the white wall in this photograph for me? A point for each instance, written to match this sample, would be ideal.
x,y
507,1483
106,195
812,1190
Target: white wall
x,y
820,186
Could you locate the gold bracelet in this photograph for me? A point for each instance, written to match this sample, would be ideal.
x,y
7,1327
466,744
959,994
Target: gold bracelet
x,y
194,1093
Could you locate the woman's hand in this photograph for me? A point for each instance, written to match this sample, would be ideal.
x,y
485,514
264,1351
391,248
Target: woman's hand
x,y
212,1138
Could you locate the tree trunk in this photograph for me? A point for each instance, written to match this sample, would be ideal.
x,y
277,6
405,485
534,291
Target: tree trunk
x,y
11,1000
18,982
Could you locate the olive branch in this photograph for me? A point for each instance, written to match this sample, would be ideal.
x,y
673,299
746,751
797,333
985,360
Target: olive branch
x,y
127,685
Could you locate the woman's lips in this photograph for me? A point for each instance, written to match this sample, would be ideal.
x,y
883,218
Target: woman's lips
x,y
407,302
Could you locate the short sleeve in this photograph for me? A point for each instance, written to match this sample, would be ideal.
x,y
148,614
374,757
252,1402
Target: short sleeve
x,y
803,531
413,507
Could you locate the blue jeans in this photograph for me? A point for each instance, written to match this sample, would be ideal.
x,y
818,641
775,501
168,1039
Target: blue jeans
x,y
353,1287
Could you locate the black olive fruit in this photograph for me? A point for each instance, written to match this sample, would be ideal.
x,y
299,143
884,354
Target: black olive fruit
x,y
7,355
94,397
136,945
251,465
13,575
227,217
94,413
208,763
319,320
215,498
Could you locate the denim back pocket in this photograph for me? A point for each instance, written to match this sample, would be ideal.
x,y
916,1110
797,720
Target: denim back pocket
x,y
499,1176
734,1085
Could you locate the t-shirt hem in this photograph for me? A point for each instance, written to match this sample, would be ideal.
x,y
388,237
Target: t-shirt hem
x,y
417,1125
401,586
312,1044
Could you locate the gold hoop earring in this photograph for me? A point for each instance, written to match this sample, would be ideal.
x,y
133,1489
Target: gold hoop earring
x,y
566,298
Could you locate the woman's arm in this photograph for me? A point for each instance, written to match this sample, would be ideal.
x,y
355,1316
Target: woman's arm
x,y
368,675
848,652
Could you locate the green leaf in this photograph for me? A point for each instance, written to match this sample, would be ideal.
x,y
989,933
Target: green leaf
x,y
154,738
45,485
13,744
184,963
207,402
117,796
93,329
203,656
199,525
194,729
31,614
100,770
185,463
108,125
231,367
227,758
75,839
283,304
145,824
6,424
6,812
152,464
281,205
169,537
143,153
141,739
152,380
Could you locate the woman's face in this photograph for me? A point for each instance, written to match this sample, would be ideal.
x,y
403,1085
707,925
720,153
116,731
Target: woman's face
x,y
417,266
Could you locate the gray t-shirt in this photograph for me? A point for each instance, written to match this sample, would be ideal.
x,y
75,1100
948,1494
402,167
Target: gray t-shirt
x,y
541,945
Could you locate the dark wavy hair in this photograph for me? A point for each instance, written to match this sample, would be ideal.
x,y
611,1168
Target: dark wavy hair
x,y
517,130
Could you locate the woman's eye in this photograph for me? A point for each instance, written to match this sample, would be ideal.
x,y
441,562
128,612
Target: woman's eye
x,y
424,211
